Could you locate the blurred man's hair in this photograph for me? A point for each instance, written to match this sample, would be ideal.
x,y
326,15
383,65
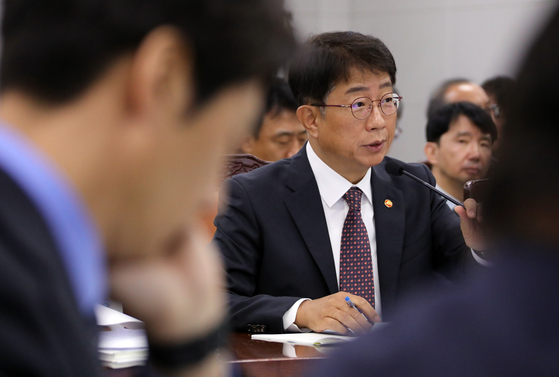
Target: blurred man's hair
x,y
53,50
278,99
327,59
437,99
523,198
439,123
503,89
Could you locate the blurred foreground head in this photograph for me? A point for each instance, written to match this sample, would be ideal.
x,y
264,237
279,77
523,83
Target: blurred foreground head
x,y
523,200
54,50
136,100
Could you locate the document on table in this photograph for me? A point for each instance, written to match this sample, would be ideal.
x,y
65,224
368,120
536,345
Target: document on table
x,y
304,339
125,343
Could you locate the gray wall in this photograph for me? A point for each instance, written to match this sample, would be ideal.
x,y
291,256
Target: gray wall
x,y
431,40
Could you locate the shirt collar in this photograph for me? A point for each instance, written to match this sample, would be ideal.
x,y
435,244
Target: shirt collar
x,y
65,213
331,185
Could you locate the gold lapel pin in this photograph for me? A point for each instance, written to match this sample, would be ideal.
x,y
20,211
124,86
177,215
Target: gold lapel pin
x,y
388,203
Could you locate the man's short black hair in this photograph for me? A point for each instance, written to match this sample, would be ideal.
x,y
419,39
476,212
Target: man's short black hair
x,y
328,58
278,99
53,50
437,99
523,196
439,123
502,88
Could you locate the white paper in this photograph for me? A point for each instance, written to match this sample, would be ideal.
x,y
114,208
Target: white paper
x,y
306,339
109,317
122,339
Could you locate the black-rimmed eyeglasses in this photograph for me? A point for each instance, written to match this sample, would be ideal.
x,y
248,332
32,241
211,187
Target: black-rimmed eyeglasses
x,y
362,107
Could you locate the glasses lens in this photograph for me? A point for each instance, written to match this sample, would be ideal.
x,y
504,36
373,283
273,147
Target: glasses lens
x,y
397,133
496,110
361,107
389,103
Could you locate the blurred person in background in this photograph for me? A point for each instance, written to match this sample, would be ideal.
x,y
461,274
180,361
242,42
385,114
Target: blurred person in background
x,y
500,90
280,134
457,90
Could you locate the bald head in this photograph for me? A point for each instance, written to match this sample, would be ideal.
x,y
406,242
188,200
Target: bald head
x,y
467,92
457,90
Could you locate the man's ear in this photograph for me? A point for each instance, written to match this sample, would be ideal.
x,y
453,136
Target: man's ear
x,y
307,115
431,151
161,76
247,145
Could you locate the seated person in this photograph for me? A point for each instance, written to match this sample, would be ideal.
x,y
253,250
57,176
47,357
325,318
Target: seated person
x,y
300,235
280,134
459,141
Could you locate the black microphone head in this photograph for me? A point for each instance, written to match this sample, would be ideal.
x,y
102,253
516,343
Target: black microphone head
x,y
393,167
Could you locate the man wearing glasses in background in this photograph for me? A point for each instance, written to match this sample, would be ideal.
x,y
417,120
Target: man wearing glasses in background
x,y
302,234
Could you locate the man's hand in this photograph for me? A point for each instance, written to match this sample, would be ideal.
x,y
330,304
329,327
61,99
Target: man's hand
x,y
470,223
333,313
177,292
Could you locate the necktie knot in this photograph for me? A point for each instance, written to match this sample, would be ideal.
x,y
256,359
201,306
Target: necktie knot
x,y
353,198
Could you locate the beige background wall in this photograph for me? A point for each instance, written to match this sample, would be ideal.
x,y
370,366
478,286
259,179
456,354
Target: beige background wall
x,y
431,40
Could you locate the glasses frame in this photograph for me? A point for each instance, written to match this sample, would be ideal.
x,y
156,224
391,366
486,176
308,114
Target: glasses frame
x,y
493,108
350,106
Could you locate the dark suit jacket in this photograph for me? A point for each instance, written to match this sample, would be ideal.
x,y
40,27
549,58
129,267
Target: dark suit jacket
x,y
503,323
276,248
42,332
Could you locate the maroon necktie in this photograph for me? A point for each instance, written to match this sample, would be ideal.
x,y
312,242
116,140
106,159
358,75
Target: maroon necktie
x,y
356,268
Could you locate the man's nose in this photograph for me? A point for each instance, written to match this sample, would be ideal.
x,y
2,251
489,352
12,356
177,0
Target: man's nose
x,y
474,151
375,120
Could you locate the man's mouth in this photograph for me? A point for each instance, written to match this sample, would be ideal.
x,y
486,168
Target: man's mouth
x,y
375,146
472,170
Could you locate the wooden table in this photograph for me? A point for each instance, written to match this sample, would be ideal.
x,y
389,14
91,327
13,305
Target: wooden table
x,y
266,359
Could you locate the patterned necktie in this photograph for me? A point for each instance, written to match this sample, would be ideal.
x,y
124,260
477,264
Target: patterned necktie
x,y
356,268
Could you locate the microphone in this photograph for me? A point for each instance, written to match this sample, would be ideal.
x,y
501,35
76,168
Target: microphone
x,y
395,168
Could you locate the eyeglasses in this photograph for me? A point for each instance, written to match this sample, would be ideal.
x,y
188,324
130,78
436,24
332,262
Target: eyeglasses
x,y
494,109
362,107
398,132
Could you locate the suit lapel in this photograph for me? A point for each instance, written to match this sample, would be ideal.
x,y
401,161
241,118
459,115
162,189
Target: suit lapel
x,y
305,206
389,227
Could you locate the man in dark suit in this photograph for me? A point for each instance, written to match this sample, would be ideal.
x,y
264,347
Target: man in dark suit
x,y
505,322
286,235
113,118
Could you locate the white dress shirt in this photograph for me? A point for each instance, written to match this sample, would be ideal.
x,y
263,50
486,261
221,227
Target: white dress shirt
x,y
448,202
332,187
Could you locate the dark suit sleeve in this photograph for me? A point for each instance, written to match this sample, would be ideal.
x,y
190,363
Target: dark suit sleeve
x,y
451,256
239,240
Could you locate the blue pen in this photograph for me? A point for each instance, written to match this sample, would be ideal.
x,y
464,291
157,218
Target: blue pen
x,y
352,305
